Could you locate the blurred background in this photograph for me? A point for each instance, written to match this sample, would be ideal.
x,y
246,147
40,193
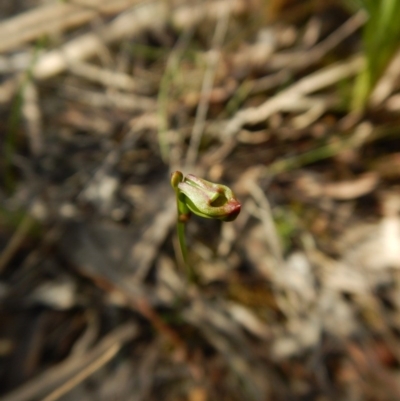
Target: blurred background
x,y
293,104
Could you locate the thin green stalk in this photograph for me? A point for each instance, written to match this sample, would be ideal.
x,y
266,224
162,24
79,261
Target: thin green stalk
x,y
182,241
182,217
182,244
381,38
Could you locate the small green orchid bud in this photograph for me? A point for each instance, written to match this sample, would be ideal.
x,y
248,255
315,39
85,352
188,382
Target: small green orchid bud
x,y
209,200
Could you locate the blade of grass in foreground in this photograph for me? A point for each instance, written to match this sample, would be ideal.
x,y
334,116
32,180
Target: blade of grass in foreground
x,y
381,39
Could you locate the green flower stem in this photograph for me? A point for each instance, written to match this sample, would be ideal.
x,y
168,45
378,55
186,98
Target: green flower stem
x,y
183,216
182,241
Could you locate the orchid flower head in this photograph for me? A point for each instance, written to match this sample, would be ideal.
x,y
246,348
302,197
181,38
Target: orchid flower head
x,y
205,198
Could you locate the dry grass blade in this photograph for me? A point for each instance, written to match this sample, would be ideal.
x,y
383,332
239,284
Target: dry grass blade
x,y
53,377
312,83
108,78
55,17
85,373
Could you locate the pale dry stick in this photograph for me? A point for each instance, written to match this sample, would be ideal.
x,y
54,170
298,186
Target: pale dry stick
x,y
351,189
316,81
55,17
188,16
61,372
314,112
33,117
84,374
105,77
307,103
208,82
387,83
312,33
115,100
